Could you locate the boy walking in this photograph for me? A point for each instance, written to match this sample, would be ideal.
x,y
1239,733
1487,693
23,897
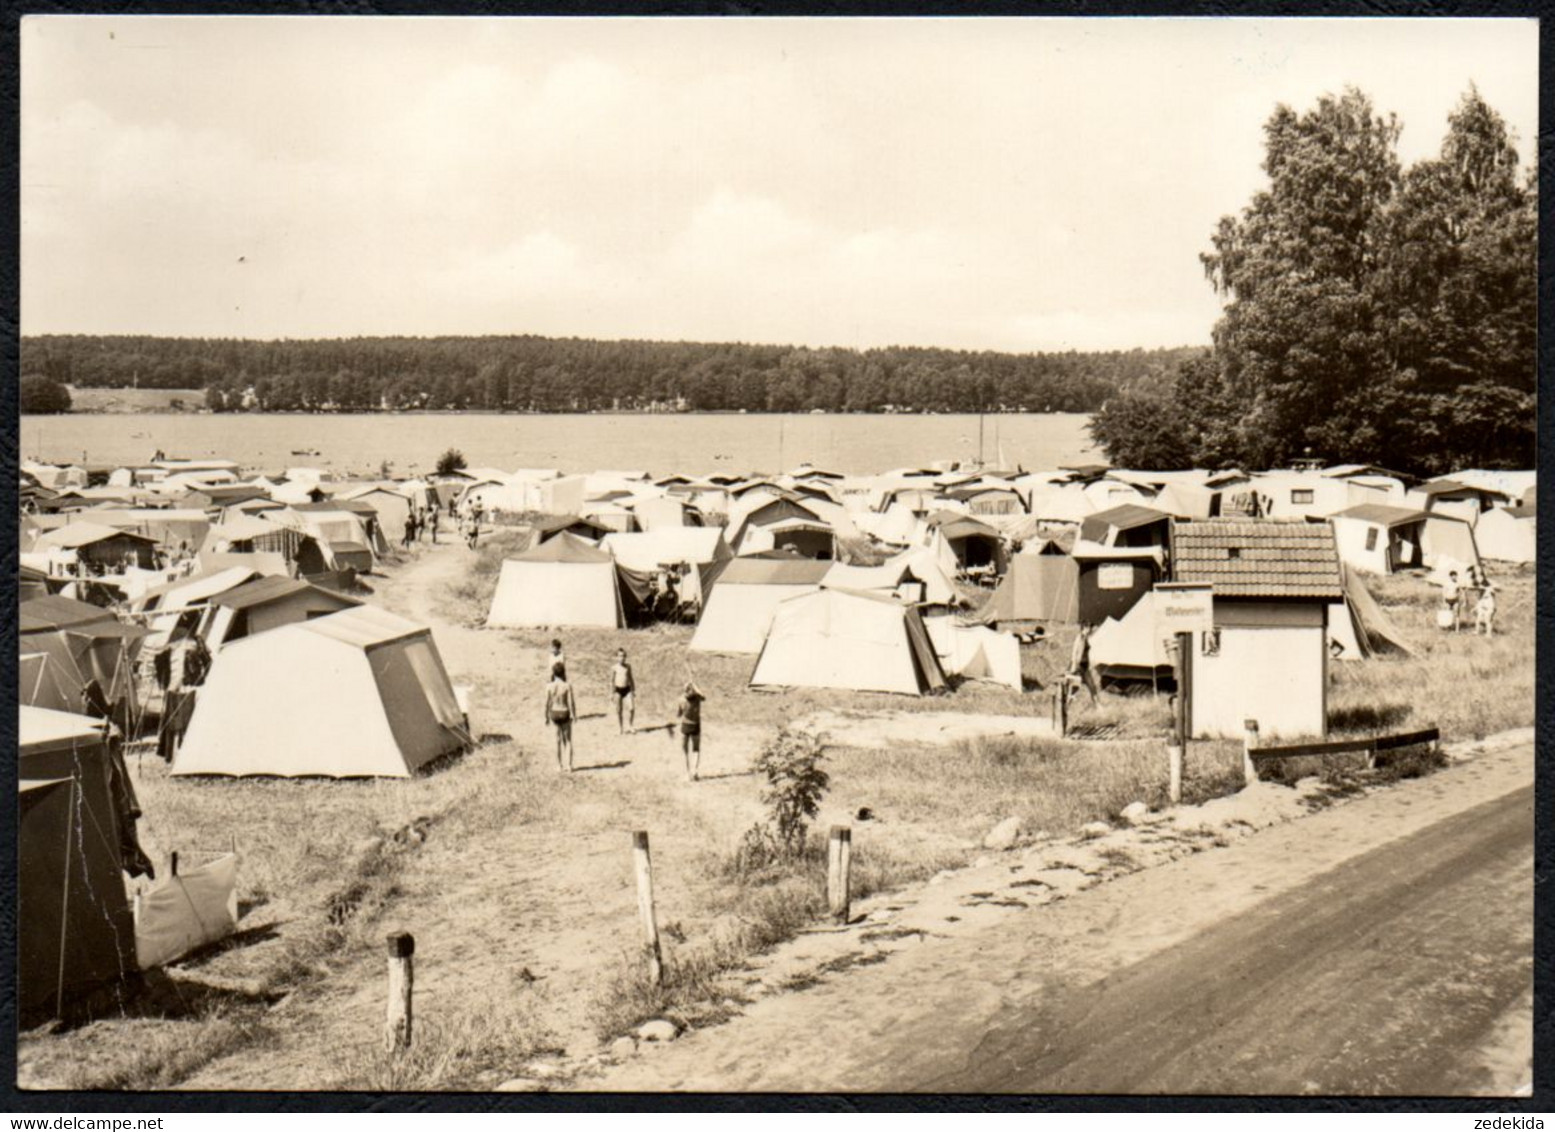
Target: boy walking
x,y
688,713
561,708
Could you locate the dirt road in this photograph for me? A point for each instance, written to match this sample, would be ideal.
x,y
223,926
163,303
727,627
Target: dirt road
x,y
1384,946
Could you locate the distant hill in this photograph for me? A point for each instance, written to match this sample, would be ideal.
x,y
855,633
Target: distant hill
x,y
534,374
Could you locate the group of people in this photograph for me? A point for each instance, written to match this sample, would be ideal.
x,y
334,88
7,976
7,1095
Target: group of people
x,y
1455,599
425,521
561,710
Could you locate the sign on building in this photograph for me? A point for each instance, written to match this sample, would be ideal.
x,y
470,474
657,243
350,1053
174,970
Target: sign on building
x,y
1184,607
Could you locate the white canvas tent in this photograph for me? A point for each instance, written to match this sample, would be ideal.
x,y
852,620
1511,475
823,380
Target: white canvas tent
x,y
1131,647
844,639
739,610
1507,536
975,652
563,581
360,693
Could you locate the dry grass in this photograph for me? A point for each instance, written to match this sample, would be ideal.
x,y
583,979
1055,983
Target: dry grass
x,y
498,839
459,1052
1469,686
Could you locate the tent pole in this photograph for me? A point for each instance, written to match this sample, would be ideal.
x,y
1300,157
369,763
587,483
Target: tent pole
x,y
64,905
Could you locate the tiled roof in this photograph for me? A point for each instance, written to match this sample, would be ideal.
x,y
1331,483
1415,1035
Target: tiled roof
x,y
1251,558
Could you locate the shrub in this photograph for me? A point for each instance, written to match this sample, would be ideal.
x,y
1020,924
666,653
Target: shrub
x,y
451,461
790,762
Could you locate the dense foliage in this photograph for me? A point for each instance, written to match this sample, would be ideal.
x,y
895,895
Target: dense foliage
x,y
517,374
1371,314
37,394
452,460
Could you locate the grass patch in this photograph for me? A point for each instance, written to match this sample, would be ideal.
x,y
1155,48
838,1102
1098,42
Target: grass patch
x,y
465,1051
1050,784
161,1056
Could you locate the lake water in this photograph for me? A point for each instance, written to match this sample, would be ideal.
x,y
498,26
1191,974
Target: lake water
x,y
691,442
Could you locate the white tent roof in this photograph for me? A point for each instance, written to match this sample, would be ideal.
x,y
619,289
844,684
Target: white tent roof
x,y
844,639
651,550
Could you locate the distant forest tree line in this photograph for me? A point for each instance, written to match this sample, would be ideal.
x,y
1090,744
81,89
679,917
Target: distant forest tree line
x,y
1372,314
534,374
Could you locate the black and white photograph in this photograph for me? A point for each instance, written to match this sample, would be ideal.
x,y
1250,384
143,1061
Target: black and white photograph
x,y
776,555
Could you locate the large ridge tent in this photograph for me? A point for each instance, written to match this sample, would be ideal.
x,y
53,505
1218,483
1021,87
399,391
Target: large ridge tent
x,y
845,639
739,610
74,930
359,693
561,582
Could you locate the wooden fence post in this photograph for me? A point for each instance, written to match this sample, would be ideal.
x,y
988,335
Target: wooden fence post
x,y
172,863
397,1025
1249,745
644,868
839,865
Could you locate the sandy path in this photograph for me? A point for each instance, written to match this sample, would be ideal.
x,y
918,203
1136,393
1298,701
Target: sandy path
x,y
917,1019
523,920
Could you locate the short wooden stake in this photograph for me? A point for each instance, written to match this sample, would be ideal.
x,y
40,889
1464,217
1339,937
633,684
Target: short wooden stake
x,y
1249,745
839,866
645,911
402,978
1174,773
172,863
1063,708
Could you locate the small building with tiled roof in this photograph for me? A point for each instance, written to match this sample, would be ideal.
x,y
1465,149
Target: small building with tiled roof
x,y
1266,657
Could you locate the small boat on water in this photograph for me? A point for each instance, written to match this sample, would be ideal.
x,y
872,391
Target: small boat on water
x,y
305,451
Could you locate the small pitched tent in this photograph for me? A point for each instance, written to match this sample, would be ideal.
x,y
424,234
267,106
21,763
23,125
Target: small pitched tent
x,y
975,652
562,581
1036,587
38,683
1131,647
358,694
739,610
74,931
1358,626
844,639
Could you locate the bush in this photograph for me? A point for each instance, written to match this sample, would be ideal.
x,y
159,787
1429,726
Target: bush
x,y
451,461
790,762
41,395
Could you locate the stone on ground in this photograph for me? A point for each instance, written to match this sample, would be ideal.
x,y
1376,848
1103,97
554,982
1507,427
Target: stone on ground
x,y
1004,835
659,1030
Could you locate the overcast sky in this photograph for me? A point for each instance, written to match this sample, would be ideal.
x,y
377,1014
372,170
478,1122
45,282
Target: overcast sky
x,y
1008,184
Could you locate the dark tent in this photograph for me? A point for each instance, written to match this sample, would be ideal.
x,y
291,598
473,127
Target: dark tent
x,y
75,932
91,653
1036,587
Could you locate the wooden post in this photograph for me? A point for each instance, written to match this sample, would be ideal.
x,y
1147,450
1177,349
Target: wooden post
x,y
1063,708
397,1025
839,866
1175,747
1249,745
172,863
650,922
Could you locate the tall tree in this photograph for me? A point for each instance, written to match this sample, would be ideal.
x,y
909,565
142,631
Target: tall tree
x,y
1461,276
1303,342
